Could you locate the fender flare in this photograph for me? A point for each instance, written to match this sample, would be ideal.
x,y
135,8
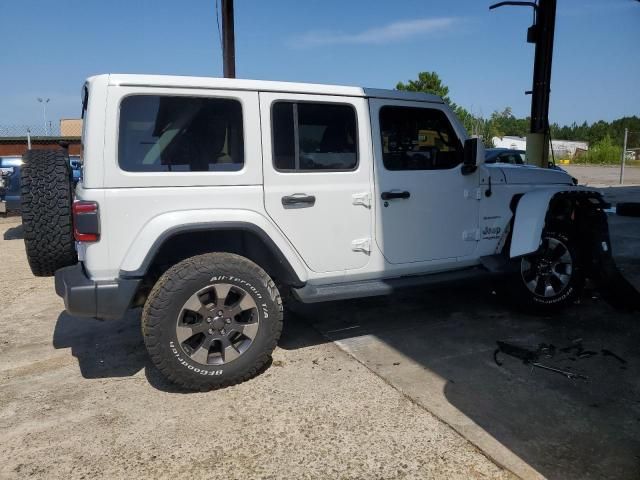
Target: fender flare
x,y
162,227
530,217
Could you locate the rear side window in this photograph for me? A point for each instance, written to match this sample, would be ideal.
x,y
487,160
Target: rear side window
x,y
180,134
314,136
418,139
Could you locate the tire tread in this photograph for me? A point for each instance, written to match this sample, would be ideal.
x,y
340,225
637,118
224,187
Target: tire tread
x,y
170,285
46,198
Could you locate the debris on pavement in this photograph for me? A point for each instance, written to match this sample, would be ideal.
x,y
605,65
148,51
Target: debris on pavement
x,y
531,357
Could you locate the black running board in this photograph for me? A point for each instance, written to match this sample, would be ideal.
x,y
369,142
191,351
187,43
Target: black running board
x,y
373,288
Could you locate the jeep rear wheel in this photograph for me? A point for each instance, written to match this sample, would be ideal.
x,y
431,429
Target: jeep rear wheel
x,y
46,196
212,321
551,278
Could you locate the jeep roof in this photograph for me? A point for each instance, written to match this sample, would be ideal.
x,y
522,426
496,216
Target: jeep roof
x,y
126,80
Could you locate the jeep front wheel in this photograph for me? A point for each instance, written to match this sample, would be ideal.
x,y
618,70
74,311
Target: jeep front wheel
x,y
552,277
212,321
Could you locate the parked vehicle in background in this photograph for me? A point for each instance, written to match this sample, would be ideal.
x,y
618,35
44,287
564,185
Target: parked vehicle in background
x,y
4,182
76,168
10,167
514,157
207,201
505,155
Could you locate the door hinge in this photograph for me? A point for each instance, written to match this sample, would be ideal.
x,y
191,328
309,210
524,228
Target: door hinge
x,y
478,193
471,235
363,199
361,245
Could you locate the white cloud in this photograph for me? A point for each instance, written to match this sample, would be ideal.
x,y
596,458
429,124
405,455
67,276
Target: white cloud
x,y
392,32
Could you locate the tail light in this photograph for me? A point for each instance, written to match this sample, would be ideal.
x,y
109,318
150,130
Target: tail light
x,y
86,221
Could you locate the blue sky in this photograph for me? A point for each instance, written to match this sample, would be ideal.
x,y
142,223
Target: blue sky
x,y
49,48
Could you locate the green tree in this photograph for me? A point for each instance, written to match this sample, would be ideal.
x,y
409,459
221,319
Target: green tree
x,y
604,137
428,82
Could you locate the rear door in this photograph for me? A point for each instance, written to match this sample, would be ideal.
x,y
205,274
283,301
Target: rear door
x,y
317,176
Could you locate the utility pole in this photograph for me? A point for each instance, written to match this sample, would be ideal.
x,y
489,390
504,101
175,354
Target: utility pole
x,y
541,34
538,140
228,40
624,154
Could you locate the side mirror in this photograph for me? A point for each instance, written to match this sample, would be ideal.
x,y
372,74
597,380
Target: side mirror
x,y
473,155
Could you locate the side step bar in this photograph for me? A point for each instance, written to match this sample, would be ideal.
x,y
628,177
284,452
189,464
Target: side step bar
x,y
372,288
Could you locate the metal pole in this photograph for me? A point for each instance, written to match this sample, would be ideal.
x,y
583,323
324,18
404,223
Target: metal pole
x,y
624,151
543,32
228,40
28,139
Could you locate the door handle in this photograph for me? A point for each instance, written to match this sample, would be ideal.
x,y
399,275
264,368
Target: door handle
x,y
299,199
394,195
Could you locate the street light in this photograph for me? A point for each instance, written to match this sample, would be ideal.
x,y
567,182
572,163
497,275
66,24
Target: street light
x,y
44,102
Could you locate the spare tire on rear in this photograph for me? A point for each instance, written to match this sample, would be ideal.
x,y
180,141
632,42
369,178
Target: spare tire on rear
x,y
47,196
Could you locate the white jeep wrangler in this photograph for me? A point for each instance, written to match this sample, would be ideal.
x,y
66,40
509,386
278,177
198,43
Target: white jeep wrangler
x,y
204,200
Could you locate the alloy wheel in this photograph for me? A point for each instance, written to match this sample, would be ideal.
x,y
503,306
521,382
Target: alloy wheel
x,y
548,273
217,324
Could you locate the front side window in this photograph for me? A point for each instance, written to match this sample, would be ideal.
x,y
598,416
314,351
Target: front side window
x,y
180,134
314,136
418,139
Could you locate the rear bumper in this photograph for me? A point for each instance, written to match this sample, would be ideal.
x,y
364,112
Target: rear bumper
x,y
84,297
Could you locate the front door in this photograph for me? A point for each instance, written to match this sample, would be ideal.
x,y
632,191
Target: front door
x,y
427,209
317,176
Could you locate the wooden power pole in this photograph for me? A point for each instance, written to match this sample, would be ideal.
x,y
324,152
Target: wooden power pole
x,y
228,40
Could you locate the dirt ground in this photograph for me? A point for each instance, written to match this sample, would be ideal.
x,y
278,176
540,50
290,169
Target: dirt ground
x,y
603,175
79,399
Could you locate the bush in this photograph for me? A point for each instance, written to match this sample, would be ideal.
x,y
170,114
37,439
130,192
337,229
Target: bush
x,y
604,152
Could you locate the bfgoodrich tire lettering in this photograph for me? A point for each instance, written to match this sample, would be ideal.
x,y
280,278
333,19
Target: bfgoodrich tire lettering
x,y
186,321
46,197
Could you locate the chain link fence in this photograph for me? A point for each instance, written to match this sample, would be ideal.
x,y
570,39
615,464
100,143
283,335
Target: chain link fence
x,y
632,148
17,139
630,157
64,128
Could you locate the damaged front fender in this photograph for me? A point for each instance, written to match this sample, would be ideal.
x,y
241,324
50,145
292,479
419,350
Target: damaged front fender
x,y
534,212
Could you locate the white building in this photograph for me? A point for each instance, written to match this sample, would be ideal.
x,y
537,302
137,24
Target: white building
x,y
561,148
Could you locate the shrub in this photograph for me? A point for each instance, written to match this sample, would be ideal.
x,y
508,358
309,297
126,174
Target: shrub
x,y
604,152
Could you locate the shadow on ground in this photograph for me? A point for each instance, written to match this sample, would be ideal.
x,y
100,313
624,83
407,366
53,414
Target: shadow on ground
x,y
115,348
562,428
14,233
103,349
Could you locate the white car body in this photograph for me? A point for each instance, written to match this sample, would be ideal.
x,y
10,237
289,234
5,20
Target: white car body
x,y
450,222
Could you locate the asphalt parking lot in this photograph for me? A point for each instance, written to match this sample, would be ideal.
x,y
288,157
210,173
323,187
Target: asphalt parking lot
x,y
395,387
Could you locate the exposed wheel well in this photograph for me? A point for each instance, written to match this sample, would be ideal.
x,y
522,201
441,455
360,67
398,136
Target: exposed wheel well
x,y
247,243
580,214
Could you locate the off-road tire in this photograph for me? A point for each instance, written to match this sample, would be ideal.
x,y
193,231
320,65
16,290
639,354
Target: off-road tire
x,y
46,197
165,304
523,298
